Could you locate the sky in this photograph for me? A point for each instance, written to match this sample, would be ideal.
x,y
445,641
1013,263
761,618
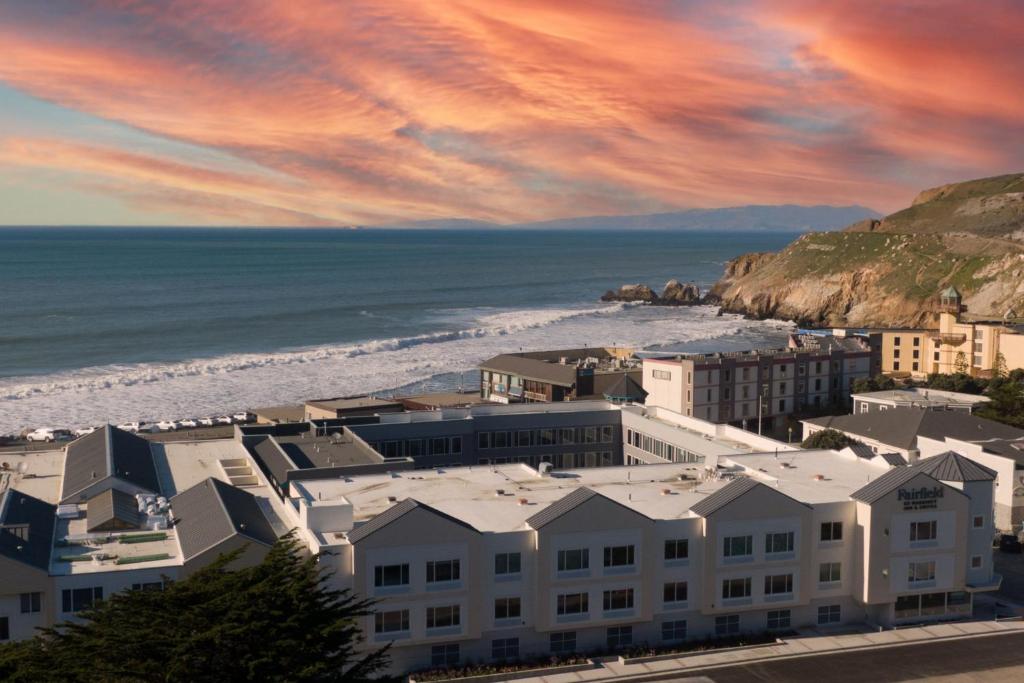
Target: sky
x,y
345,112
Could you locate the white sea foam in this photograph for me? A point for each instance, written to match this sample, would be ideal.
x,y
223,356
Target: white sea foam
x,y
151,391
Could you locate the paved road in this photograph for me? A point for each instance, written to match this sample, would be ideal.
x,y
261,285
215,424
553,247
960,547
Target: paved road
x,y
989,658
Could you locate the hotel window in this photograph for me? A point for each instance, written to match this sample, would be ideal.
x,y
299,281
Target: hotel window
x,y
936,356
779,584
563,642
976,562
443,571
31,603
978,521
547,437
779,618
782,405
832,531
456,442
78,599
573,603
895,341
590,435
923,531
573,560
567,436
677,549
673,630
618,599
896,365
977,360
896,353
505,648
830,572
443,617
675,592
728,625
914,366
661,374
746,374
507,608
502,439
778,543
709,396
738,546
619,556
735,588
829,614
444,655
507,563
391,622
391,575
921,572
619,636
483,440
782,387
917,341
917,354
606,434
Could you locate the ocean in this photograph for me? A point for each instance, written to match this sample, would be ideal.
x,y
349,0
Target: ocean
x,y
117,324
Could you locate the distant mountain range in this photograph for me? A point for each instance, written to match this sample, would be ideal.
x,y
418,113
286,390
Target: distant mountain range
x,y
783,218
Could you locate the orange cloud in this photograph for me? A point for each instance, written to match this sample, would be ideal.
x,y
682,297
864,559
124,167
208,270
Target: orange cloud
x,y
372,112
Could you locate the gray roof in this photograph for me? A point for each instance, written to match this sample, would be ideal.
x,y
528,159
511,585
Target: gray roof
x,y
110,505
212,511
900,427
730,492
26,528
862,450
950,466
274,460
396,512
108,453
626,388
894,459
569,503
532,368
894,478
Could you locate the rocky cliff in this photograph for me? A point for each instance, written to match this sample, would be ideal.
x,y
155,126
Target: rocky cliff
x,y
675,293
888,272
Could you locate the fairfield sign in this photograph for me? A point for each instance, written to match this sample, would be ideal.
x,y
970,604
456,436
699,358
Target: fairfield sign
x,y
920,499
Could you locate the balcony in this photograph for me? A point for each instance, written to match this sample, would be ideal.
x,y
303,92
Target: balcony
x,y
954,339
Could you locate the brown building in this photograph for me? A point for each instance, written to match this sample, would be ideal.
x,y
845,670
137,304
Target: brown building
x,y
551,376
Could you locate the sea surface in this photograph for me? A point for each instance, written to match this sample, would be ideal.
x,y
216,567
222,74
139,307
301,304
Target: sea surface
x,y
116,324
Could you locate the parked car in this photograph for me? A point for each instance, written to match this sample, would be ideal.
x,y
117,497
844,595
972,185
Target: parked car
x,y
206,421
242,417
132,427
43,434
165,426
1008,543
224,420
187,423
82,431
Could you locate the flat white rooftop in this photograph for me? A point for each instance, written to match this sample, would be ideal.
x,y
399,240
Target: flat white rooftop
x,y
810,476
921,396
36,473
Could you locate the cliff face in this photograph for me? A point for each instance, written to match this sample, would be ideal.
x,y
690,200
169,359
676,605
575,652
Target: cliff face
x,y
888,272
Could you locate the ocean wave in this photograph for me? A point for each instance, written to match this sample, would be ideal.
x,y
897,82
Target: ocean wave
x,y
107,377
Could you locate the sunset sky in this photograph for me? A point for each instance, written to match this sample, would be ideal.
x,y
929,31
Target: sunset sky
x,y
316,112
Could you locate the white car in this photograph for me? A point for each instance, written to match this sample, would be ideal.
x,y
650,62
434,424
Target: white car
x,y
224,420
42,434
132,427
187,423
241,417
206,421
83,431
165,426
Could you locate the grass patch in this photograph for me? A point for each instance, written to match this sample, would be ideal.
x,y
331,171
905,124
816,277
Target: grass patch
x,y
75,558
142,558
143,538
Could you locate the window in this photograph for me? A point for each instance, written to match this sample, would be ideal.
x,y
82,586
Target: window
x,y
507,563
618,599
391,575
507,608
573,603
442,571
483,440
895,341
829,614
921,572
782,387
831,531
677,549
391,622
619,556
5,628
675,592
148,586
31,603
777,619
829,572
978,521
735,588
443,617
563,642
782,405
547,437
779,543
976,562
606,434
567,436
923,531
444,655
738,546
896,364
573,560
619,636
78,599
673,630
727,625
779,584
505,648
661,374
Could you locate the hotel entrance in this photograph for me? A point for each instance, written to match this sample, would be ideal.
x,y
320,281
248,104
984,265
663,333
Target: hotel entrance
x,y
932,606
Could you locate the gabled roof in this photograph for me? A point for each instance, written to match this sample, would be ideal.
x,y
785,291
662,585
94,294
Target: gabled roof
x,y
899,427
626,388
571,502
212,511
950,293
26,528
950,466
108,453
110,506
893,479
273,458
730,492
396,512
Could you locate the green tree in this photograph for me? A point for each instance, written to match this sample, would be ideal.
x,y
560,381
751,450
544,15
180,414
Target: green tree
x,y
960,363
830,439
1000,366
276,621
865,385
1006,402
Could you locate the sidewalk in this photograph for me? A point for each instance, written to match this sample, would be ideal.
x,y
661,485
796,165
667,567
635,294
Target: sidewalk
x,y
798,646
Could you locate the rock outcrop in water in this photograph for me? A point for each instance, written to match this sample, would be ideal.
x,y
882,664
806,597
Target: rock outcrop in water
x,y
674,293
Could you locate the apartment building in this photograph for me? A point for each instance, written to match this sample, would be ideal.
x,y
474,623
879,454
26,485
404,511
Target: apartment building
x,y
748,387
552,376
505,561
916,397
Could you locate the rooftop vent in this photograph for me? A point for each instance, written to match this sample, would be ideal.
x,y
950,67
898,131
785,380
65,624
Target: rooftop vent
x,y
523,501
392,499
666,492
499,492
819,477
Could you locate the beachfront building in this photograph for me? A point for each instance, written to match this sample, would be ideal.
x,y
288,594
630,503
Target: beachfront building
x,y
758,388
332,408
553,376
916,397
507,561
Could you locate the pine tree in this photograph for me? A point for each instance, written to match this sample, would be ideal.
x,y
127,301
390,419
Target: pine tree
x,y
960,363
